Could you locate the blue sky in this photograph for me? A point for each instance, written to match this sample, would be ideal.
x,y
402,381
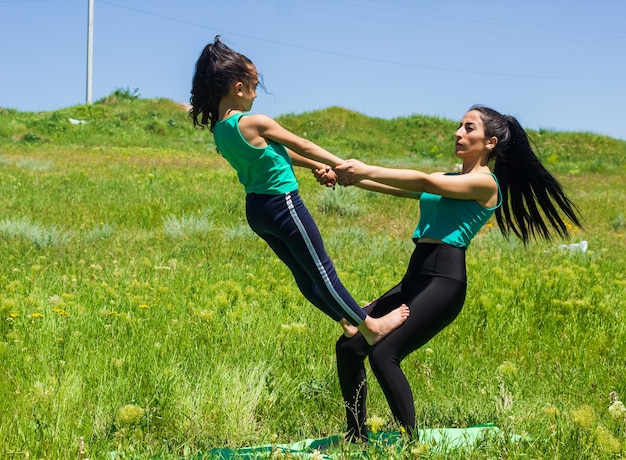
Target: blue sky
x,y
554,64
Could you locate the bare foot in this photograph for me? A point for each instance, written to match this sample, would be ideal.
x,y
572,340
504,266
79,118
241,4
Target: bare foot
x,y
374,329
349,330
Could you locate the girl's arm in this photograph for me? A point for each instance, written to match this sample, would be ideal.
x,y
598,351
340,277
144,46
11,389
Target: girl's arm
x,y
304,162
323,173
472,186
266,128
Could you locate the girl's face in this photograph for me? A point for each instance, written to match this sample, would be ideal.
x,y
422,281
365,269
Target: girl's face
x,y
248,89
470,137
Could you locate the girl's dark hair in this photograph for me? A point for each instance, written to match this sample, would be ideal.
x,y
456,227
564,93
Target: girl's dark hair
x,y
531,196
217,69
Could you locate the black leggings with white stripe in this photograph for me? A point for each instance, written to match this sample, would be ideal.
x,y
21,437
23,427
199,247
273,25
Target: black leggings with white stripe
x,y
285,223
434,288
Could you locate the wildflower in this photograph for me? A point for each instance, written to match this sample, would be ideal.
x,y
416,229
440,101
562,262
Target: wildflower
x,y
375,423
278,453
82,448
12,287
60,311
606,441
296,327
13,315
143,306
420,450
37,315
618,411
206,315
551,411
507,368
584,417
12,336
130,414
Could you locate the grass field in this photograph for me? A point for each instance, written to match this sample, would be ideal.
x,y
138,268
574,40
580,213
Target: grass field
x,y
140,317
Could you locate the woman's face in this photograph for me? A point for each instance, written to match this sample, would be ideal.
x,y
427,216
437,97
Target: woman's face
x,y
470,136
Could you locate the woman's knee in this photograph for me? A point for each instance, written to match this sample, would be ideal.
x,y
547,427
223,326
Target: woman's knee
x,y
351,348
382,358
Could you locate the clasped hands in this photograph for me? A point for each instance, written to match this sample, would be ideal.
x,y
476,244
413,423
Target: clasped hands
x,y
347,173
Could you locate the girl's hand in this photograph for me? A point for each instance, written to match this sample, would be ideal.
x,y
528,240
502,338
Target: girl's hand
x,y
325,176
350,172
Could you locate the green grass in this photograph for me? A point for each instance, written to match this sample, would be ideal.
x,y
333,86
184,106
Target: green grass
x,y
140,314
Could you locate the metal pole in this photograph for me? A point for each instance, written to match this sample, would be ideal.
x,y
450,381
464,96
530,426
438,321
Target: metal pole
x,y
90,52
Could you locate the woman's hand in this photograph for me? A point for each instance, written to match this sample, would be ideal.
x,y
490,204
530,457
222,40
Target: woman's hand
x,y
350,172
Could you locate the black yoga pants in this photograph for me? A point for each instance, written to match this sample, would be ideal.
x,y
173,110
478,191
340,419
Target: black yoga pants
x,y
434,288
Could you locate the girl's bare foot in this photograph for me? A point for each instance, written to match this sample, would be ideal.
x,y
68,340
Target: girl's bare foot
x,y
374,329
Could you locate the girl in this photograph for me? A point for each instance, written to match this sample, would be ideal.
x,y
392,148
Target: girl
x,y
453,208
263,152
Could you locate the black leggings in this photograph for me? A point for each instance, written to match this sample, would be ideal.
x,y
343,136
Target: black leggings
x,y
434,288
289,229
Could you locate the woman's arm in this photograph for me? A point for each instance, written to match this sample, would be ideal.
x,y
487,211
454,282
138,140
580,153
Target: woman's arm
x,y
472,186
386,189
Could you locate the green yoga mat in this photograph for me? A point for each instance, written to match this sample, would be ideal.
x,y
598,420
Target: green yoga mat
x,y
438,439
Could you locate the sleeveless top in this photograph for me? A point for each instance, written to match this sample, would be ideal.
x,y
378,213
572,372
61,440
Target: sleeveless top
x,y
265,170
451,220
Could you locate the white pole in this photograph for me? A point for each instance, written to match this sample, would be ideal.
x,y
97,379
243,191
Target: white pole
x,y
90,52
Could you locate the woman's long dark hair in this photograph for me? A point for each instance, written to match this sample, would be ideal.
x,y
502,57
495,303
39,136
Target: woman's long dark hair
x,y
217,68
531,196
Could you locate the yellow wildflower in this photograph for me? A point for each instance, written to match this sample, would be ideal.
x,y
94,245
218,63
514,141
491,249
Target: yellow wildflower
x,y
375,423
606,441
507,368
584,417
420,450
551,411
130,414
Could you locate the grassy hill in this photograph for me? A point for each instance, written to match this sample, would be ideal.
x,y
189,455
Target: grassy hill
x,y
140,317
123,120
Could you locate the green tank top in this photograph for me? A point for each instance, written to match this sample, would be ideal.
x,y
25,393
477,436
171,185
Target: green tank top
x,y
265,170
455,222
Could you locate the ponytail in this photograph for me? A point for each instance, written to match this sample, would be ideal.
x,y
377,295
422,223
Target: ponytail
x,y
531,196
217,68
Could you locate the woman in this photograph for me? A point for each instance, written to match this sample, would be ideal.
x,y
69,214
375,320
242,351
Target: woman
x,y
263,154
526,199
